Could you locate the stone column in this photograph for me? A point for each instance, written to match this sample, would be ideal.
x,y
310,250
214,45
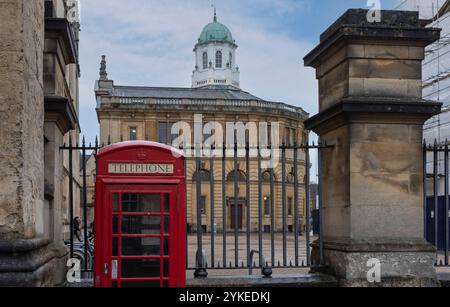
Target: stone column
x,y
25,255
371,110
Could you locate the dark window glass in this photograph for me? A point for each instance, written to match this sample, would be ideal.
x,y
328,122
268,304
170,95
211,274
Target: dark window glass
x,y
143,225
165,133
166,269
141,203
115,203
162,133
133,133
141,268
166,225
219,59
290,207
166,246
266,205
140,246
166,203
115,225
115,247
205,60
203,205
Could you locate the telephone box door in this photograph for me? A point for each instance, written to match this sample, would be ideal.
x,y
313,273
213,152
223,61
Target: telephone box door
x,y
141,227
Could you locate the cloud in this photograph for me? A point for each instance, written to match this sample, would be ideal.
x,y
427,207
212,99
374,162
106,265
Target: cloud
x,y
150,42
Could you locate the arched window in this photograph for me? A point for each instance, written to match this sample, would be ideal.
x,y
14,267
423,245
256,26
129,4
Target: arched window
x,y
219,59
205,60
242,176
266,176
204,175
231,59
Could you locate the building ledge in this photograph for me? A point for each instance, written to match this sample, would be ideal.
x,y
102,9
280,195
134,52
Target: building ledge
x,y
60,110
60,29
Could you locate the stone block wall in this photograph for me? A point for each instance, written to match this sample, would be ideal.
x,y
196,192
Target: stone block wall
x,y
21,117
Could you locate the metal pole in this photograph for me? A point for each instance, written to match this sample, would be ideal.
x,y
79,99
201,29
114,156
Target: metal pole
x,y
236,206
446,217
71,213
283,153
296,230
425,200
86,241
308,207
272,208
260,204
436,195
247,158
224,208
320,204
200,269
211,187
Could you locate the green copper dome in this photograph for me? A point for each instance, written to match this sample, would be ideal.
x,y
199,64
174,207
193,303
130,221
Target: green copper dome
x,y
215,32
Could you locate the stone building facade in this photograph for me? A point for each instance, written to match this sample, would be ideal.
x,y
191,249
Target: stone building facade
x,y
149,113
38,109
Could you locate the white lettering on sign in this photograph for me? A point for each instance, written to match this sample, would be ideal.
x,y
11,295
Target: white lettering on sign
x,y
139,168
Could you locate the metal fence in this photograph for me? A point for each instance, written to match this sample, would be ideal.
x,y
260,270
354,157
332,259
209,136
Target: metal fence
x,y
436,199
84,248
288,248
273,253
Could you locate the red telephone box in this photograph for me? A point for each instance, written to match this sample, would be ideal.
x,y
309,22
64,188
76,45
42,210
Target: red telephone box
x,y
140,224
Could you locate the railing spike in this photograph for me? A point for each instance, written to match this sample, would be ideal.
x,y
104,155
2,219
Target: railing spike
x,y
96,141
84,141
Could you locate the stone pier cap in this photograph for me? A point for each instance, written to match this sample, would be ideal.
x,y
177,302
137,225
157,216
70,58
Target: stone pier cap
x,y
353,25
372,67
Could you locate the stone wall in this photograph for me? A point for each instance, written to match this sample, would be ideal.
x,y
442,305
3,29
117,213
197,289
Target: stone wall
x,y
21,117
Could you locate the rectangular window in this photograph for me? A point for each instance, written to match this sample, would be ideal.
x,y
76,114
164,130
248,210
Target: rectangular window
x,y
266,205
203,205
165,135
133,133
287,136
290,206
162,128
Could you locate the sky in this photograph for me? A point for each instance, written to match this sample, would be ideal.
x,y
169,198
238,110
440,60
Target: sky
x,y
150,43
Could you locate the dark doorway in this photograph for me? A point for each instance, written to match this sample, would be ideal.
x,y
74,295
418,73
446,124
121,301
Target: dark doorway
x,y
232,214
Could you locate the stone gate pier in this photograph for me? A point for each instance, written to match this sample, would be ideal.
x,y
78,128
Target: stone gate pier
x,y
372,111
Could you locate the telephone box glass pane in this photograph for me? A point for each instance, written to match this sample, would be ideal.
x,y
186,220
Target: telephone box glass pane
x,y
150,203
166,269
115,247
166,203
115,203
166,246
141,246
141,268
166,224
141,225
115,227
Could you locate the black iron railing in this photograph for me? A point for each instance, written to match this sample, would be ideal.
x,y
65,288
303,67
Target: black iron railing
x,y
232,248
276,245
436,199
